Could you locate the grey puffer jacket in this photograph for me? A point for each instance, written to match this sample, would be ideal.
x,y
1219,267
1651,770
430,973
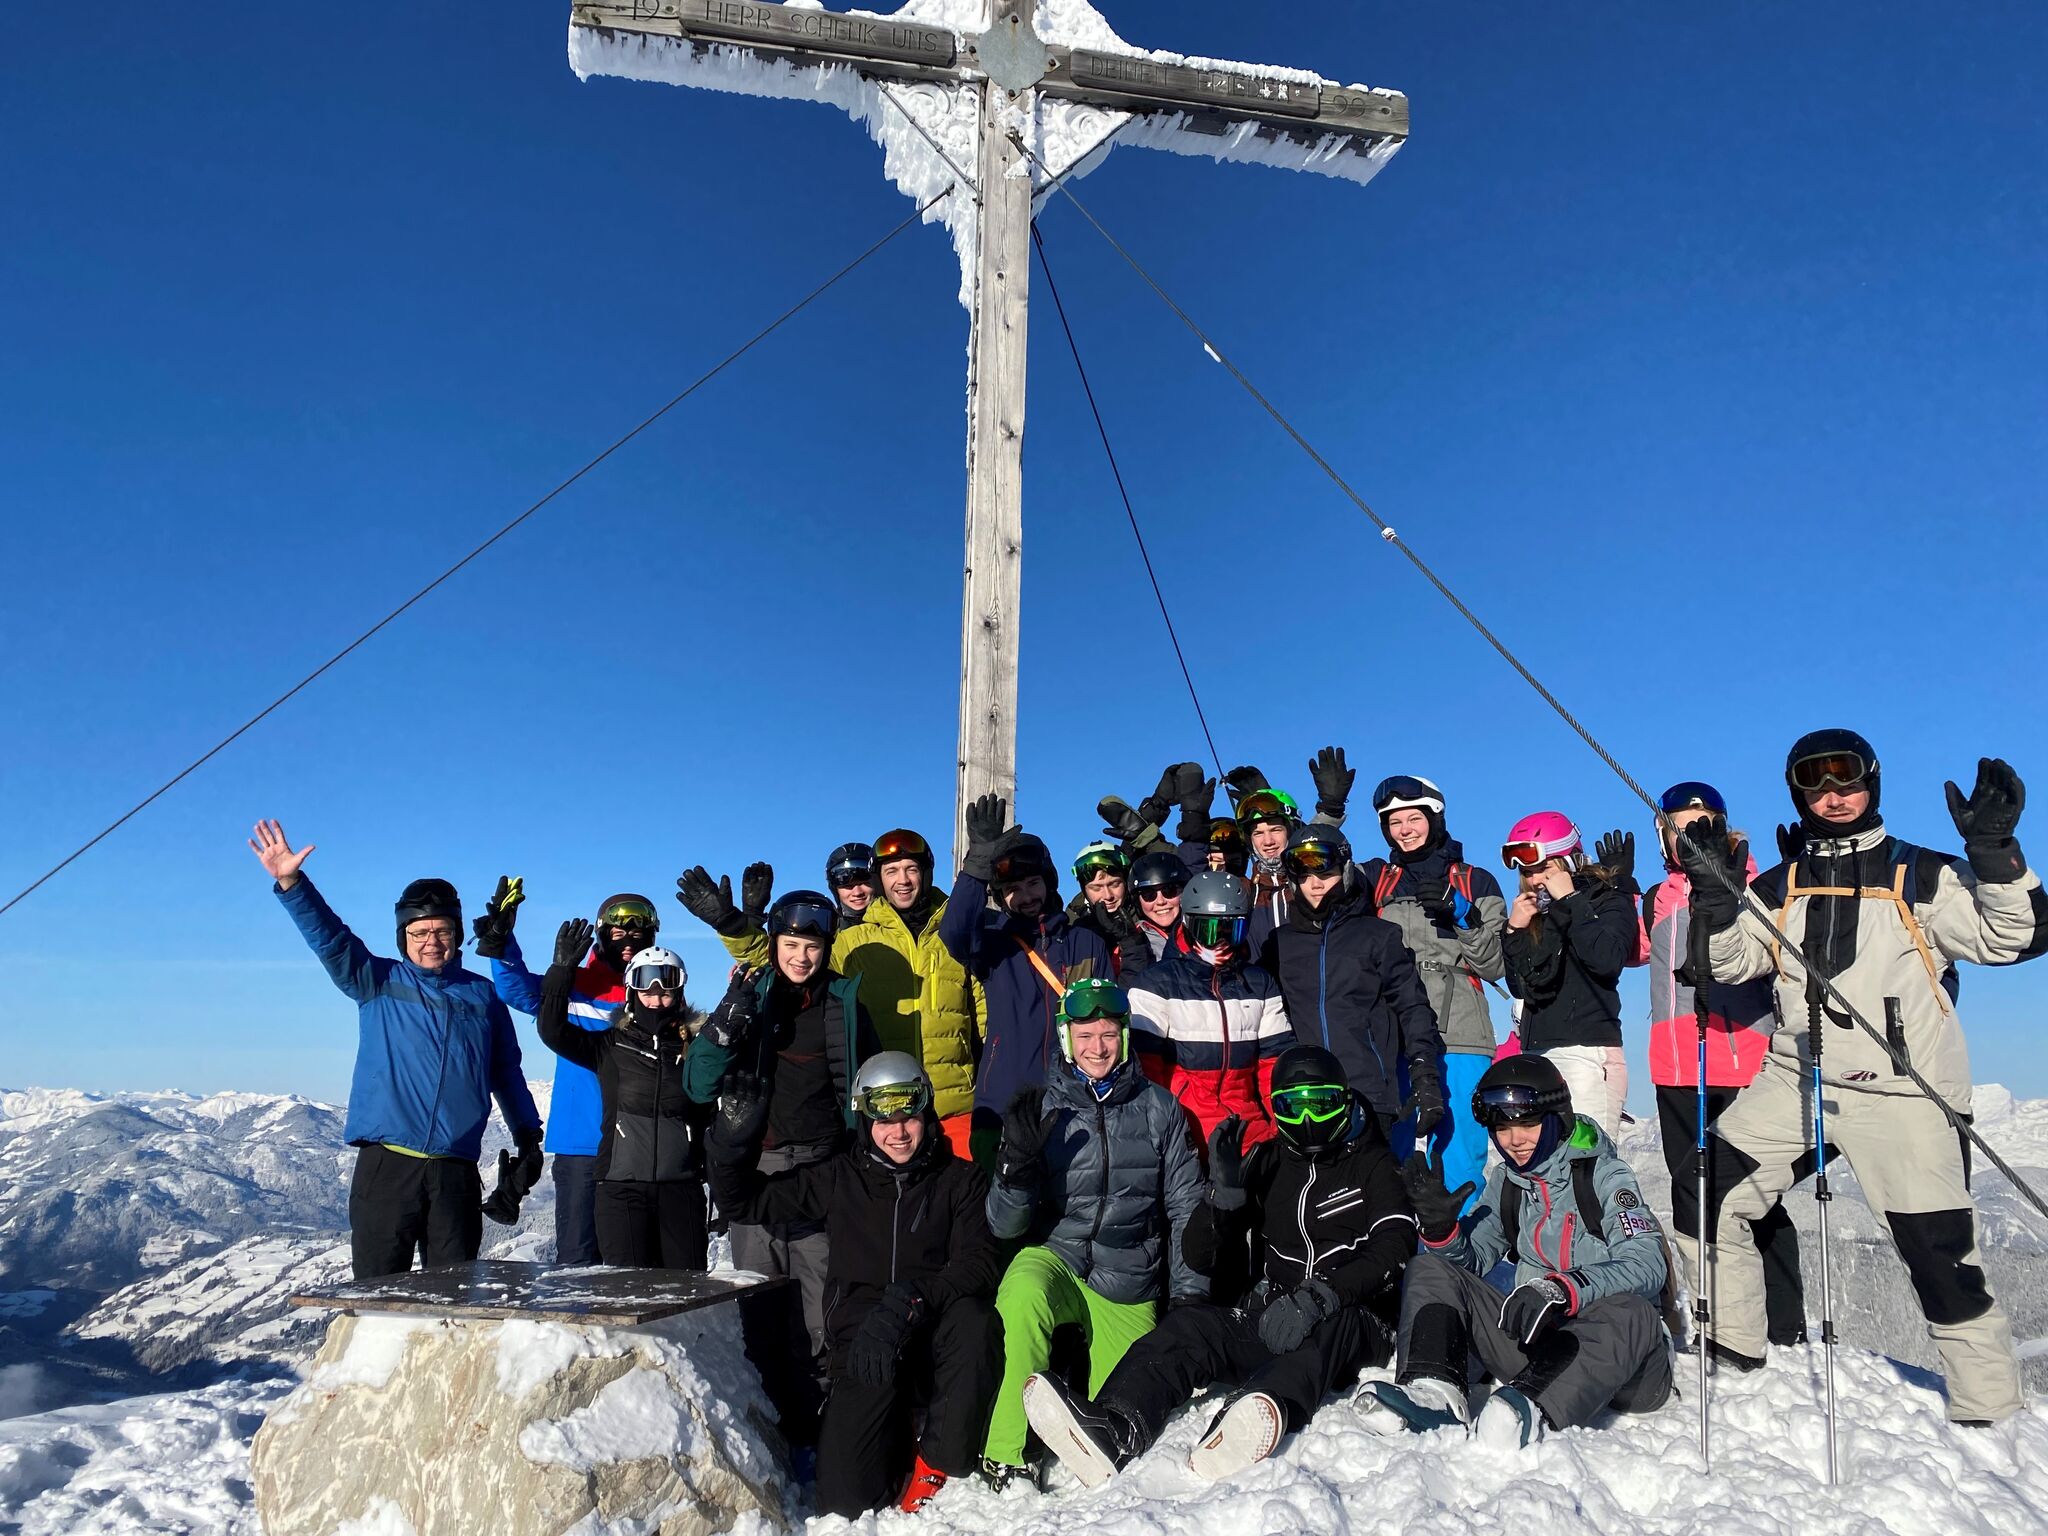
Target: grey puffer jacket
x,y
1612,1250
1121,1179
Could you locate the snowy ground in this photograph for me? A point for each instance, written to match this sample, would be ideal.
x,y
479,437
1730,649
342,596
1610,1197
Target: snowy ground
x,y
178,1462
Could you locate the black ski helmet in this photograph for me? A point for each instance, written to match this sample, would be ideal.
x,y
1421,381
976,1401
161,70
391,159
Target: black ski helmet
x,y
850,864
631,911
1522,1087
1022,855
1312,1099
1159,871
810,914
1317,848
428,898
1841,743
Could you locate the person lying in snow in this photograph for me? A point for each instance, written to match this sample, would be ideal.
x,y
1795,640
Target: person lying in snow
x,y
909,1317
1320,1214
1582,1328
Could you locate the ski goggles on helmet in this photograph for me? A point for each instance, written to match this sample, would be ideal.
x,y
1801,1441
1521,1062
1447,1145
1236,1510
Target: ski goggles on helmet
x,y
1840,769
1093,997
902,844
1692,793
895,1101
1318,857
1214,932
1535,853
1310,1103
805,913
1103,860
1267,805
654,976
850,864
1021,865
1223,833
1404,789
630,912
1512,1104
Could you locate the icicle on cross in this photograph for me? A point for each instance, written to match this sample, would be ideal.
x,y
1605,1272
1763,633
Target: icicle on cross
x,y
996,99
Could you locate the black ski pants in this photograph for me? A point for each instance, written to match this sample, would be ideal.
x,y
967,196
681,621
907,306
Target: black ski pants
x,y
1614,1351
400,1205
575,1209
1777,1240
1198,1344
642,1225
951,1369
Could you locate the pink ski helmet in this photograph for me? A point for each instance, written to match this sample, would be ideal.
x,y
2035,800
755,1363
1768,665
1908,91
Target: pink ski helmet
x,y
1538,838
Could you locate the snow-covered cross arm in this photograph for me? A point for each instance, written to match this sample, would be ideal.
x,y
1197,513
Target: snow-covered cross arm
x,y
983,105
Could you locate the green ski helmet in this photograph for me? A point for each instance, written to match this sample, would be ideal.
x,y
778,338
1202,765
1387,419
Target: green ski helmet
x,y
1267,805
1098,858
1094,997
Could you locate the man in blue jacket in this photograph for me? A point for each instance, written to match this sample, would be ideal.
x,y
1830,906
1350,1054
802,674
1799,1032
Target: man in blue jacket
x,y
435,1047
1025,955
626,924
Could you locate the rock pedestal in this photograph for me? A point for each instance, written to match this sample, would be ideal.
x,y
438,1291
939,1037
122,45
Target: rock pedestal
x,y
521,1428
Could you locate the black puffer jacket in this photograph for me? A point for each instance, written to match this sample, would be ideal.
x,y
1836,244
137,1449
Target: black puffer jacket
x,y
922,1221
1342,1217
1351,986
1565,966
650,1124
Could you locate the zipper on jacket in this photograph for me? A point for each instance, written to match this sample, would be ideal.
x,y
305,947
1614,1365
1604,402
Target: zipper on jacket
x,y
1564,1245
895,1228
441,1076
1301,1216
1102,1194
1536,1237
1323,980
1223,1014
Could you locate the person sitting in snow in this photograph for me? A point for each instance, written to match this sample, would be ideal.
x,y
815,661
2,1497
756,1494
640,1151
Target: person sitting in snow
x,y
1097,1170
1582,1329
1320,1213
910,1320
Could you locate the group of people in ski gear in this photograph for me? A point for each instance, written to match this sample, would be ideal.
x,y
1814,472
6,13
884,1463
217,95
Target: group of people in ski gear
x,y
1236,1116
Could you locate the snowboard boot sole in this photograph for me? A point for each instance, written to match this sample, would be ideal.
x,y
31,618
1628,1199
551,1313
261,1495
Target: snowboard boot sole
x,y
1246,1432
1052,1419
1389,1410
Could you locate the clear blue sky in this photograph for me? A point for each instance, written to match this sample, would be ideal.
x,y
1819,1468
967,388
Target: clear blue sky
x,y
1702,350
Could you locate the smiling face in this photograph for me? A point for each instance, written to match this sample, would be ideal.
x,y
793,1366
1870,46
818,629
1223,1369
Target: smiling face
x,y
902,883
1098,1044
1161,907
1024,898
431,942
1407,828
855,897
798,956
1106,886
1517,1143
1269,839
897,1140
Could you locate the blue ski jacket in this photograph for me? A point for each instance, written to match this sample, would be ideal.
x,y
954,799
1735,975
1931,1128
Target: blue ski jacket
x,y
576,1110
433,1048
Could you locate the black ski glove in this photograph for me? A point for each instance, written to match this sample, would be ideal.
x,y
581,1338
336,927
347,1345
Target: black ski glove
x,y
1197,810
1333,780
572,941
1289,1318
502,1204
877,1344
1535,1307
1244,781
1718,873
742,1116
1425,1097
1436,1208
527,1164
1617,851
495,926
1791,841
987,819
710,904
1988,820
1226,1165
1026,1129
1155,805
732,1022
1125,824
1434,897
757,884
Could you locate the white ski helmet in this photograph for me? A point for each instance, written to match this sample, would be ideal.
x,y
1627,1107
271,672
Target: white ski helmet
x,y
653,970
1407,792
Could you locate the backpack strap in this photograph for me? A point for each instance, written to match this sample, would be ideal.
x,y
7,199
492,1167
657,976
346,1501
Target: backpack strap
x,y
1511,1219
1459,878
1895,893
1390,876
1588,1200
1059,993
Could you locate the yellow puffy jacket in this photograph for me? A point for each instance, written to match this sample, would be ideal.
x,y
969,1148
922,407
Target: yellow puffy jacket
x,y
920,998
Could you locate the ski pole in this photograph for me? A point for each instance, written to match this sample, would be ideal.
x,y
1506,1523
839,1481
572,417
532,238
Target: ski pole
x,y
1822,1197
1702,968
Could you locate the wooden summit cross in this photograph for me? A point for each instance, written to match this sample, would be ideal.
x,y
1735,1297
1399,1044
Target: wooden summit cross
x,y
955,90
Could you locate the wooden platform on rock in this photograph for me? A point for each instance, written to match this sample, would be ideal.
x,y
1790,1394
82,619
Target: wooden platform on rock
x,y
497,1288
